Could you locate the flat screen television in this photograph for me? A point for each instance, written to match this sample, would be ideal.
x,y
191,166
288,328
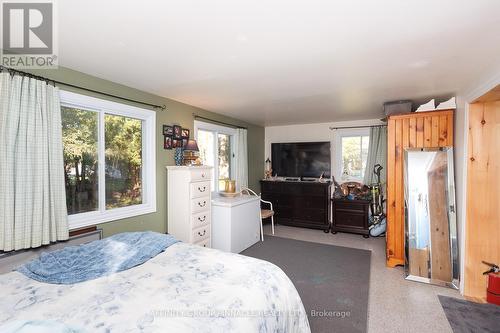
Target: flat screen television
x,y
301,159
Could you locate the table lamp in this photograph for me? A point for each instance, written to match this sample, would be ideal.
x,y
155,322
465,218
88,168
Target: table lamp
x,y
190,152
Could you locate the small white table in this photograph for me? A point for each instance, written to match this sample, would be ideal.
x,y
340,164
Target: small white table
x,y
235,222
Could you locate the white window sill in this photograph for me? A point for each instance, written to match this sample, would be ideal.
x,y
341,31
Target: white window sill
x,y
92,218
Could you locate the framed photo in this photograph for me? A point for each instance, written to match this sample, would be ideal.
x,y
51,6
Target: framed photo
x,y
177,132
176,143
167,142
185,133
184,142
168,130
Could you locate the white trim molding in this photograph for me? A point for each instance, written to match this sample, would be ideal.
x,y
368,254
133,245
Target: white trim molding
x,y
218,129
148,118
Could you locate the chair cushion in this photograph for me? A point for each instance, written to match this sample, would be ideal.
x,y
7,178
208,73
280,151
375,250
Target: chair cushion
x,y
266,213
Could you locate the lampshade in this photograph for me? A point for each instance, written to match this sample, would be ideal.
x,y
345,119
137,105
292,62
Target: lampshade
x,y
191,145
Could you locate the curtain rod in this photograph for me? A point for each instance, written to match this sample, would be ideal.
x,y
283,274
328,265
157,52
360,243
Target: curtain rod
x,y
346,127
47,80
218,122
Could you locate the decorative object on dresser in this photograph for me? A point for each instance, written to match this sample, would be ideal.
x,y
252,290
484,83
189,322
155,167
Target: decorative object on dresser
x,y
235,222
350,216
189,203
230,186
299,203
268,173
190,152
178,155
416,130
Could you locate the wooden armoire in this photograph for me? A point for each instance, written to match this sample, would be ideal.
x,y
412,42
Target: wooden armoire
x,y
414,130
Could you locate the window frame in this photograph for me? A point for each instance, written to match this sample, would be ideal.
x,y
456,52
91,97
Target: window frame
x,y
148,118
343,133
218,129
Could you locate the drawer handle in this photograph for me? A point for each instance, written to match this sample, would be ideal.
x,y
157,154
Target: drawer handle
x,y
202,205
200,189
202,219
202,234
202,175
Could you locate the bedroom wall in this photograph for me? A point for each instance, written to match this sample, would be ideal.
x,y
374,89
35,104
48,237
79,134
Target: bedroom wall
x,y
176,113
309,133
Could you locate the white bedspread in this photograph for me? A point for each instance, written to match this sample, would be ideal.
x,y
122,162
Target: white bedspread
x,y
187,288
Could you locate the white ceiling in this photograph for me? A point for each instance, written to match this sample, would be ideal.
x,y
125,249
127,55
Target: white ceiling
x,y
280,62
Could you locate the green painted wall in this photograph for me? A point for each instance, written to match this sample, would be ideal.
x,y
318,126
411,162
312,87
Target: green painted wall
x,y
176,113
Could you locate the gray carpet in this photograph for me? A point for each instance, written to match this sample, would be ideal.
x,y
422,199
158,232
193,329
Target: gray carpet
x,y
465,317
332,281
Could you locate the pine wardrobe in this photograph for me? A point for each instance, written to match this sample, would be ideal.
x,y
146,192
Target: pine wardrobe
x,y
414,130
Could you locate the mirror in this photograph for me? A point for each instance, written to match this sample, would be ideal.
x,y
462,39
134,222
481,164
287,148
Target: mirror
x,y
431,253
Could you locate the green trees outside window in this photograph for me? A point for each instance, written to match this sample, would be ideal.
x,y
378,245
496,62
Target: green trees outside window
x,y
122,160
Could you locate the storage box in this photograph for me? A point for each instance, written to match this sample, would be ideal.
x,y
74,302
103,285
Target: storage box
x,y
397,107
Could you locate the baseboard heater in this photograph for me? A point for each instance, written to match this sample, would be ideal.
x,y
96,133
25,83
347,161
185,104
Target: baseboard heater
x,y
9,261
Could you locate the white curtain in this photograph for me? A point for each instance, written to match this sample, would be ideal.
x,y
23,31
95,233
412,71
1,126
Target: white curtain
x,y
32,191
241,159
377,154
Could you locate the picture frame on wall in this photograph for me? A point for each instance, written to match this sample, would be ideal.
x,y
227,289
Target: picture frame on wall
x,y
184,142
177,132
185,133
176,143
168,130
167,142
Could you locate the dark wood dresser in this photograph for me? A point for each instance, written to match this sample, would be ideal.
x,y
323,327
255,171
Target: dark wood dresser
x,y
350,216
299,204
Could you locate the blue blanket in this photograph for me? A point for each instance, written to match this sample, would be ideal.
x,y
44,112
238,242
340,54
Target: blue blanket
x,y
98,258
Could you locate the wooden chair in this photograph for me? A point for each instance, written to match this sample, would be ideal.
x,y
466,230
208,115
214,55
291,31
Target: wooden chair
x,y
264,213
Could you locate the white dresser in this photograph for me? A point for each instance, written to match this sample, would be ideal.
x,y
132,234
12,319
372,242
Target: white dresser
x,y
189,203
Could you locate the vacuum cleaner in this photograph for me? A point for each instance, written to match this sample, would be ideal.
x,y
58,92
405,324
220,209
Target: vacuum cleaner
x,y
378,222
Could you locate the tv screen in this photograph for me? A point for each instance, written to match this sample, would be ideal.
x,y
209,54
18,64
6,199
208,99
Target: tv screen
x,y
301,159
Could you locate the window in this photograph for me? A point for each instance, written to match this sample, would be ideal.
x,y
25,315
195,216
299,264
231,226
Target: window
x,y
109,159
216,149
351,154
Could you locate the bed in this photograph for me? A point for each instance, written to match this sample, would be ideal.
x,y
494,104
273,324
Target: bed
x,y
186,288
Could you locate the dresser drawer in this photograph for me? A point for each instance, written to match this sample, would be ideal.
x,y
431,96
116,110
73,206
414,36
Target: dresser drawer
x,y
201,233
350,206
350,220
200,204
204,243
200,175
200,219
199,189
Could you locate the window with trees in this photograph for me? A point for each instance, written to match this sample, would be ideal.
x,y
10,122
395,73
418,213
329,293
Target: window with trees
x,y
109,159
351,154
216,149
